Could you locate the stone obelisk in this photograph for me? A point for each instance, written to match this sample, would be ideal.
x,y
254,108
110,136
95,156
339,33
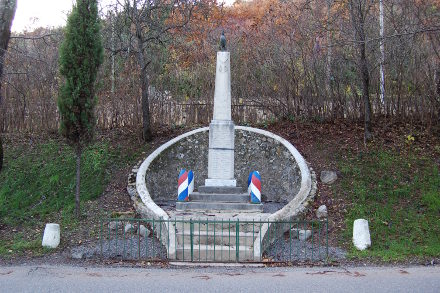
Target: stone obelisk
x,y
221,129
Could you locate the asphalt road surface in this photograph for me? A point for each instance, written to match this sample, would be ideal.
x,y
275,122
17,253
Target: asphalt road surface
x,y
225,280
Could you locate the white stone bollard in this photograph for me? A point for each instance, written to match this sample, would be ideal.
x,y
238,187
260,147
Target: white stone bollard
x,y
51,236
361,234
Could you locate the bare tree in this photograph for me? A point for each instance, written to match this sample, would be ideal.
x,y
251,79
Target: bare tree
x,y
430,18
329,47
382,54
7,12
286,53
147,24
358,12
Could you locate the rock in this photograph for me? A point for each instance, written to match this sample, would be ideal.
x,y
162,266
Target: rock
x,y
328,177
143,231
321,212
361,234
129,228
77,254
301,234
304,234
131,191
112,225
51,236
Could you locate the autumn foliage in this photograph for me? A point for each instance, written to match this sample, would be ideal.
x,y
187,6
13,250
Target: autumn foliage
x,y
290,59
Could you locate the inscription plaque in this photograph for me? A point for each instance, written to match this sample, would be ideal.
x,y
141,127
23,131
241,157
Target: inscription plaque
x,y
221,164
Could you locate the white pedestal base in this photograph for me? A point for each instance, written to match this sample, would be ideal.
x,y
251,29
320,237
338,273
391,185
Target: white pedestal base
x,y
221,182
221,153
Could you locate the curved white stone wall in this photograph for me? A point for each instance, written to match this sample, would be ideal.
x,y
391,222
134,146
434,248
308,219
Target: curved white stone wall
x,y
141,186
306,179
150,209
293,208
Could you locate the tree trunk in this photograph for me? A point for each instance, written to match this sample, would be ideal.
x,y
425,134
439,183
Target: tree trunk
x,y
1,153
329,50
143,76
146,127
365,93
78,180
382,56
358,15
438,96
7,12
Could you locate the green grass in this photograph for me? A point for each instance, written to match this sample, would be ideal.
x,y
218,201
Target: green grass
x,y
37,185
399,194
38,182
20,245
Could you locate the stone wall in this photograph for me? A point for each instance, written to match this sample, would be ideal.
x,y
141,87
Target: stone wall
x,y
281,177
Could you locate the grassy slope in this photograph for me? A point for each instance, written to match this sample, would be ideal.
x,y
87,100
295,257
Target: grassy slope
x,y
393,182
37,186
41,180
399,194
396,188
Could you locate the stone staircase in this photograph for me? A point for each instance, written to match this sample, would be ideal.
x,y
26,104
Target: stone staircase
x,y
219,199
217,237
217,224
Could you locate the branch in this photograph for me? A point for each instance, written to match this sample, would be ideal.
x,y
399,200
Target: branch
x,y
421,31
33,38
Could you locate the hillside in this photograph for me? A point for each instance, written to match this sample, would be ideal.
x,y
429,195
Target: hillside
x,y
393,182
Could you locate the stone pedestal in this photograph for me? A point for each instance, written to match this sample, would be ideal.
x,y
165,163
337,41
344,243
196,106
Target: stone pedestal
x,y
221,129
221,154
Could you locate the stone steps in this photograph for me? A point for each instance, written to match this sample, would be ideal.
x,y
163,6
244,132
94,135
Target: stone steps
x,y
247,222
220,253
218,206
224,226
222,237
218,227
220,189
219,197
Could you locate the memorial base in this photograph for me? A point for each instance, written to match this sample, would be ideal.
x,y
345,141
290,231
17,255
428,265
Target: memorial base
x,y
221,154
221,182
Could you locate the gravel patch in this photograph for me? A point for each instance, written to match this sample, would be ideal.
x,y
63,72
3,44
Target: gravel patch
x,y
296,250
130,248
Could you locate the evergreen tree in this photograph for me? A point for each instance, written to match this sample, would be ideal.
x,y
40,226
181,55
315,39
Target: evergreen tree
x,y
81,54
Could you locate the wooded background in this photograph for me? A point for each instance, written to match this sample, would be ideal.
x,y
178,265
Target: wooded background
x,y
301,60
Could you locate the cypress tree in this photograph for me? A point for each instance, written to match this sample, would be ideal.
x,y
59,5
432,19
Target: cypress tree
x,y
81,54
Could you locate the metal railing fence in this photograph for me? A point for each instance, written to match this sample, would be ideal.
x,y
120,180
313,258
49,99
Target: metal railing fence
x,y
208,240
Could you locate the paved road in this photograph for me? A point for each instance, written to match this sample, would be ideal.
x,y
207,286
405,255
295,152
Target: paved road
x,y
225,280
